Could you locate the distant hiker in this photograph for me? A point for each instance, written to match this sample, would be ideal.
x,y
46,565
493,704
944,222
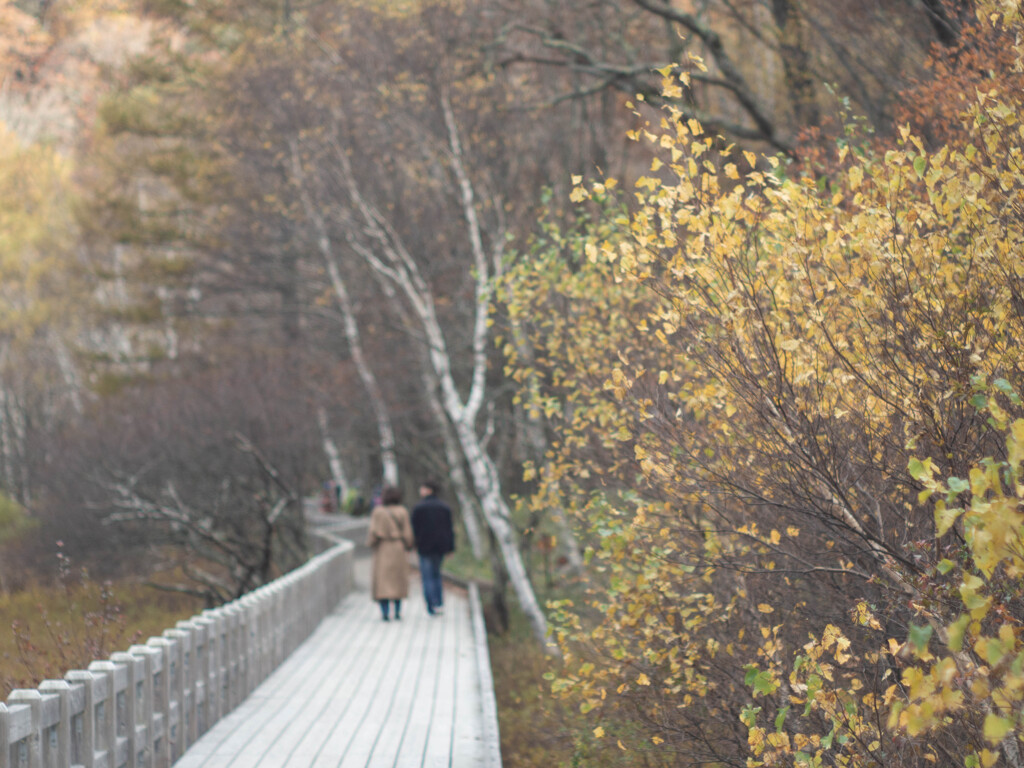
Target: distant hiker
x,y
435,538
325,500
390,537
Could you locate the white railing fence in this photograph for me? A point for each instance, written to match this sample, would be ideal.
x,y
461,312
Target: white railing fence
x,y
143,708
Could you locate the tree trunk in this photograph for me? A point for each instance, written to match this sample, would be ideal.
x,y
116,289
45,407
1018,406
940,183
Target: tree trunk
x,y
796,62
333,456
392,261
385,431
453,457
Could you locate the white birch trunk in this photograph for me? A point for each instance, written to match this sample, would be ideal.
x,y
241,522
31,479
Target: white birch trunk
x,y
7,443
385,431
460,483
396,263
333,455
68,371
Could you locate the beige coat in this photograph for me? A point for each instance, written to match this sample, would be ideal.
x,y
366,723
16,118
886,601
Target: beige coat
x,y
390,538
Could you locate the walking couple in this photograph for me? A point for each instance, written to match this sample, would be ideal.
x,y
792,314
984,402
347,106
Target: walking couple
x,y
392,533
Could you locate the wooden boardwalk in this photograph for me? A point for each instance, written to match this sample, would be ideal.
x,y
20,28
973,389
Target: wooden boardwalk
x,y
364,692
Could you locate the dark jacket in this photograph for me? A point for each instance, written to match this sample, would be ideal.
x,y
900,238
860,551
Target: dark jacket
x,y
432,527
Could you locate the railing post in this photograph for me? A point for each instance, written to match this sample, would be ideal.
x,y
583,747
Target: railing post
x,y
5,734
201,630
216,692
234,656
89,736
163,742
145,699
106,710
182,688
62,690
129,718
178,721
34,700
246,636
249,619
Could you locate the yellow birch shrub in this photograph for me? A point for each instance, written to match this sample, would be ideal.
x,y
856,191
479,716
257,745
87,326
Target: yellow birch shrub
x,y
743,374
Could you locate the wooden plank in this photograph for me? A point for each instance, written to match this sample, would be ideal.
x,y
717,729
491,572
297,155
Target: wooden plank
x,y
413,743
363,693
349,669
232,735
353,734
488,702
442,726
467,734
338,660
411,702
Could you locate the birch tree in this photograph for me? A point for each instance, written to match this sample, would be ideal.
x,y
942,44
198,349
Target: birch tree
x,y
325,245
384,250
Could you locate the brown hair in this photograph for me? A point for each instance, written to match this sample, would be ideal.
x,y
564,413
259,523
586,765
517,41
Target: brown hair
x,y
391,495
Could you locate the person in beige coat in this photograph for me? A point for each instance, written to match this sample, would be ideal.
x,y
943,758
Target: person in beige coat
x,y
390,538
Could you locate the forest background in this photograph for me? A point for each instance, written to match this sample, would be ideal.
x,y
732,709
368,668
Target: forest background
x,y
707,313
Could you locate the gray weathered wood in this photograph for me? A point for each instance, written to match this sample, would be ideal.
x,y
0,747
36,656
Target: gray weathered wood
x,y
290,676
364,692
147,706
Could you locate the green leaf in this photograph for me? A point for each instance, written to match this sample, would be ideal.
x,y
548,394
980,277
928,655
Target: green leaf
x,y
780,719
748,716
813,686
751,673
957,484
945,565
919,636
827,741
920,163
979,401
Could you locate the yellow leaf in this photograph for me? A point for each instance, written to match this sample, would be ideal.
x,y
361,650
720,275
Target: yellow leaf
x,y
765,608
996,727
643,679
598,732
856,177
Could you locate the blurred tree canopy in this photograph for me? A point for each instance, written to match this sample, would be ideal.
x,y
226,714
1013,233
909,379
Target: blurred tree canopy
x,y
788,409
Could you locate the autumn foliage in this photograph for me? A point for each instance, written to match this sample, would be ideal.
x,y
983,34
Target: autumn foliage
x,y
788,413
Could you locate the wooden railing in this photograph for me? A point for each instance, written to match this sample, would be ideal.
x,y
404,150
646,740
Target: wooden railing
x,y
143,708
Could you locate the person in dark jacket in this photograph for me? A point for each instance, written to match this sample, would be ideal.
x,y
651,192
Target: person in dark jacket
x,y
435,538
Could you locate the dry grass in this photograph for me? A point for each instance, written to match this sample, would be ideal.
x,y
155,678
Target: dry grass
x,y
48,630
541,729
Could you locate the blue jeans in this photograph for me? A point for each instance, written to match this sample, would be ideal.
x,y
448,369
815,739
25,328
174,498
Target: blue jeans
x,y
430,574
